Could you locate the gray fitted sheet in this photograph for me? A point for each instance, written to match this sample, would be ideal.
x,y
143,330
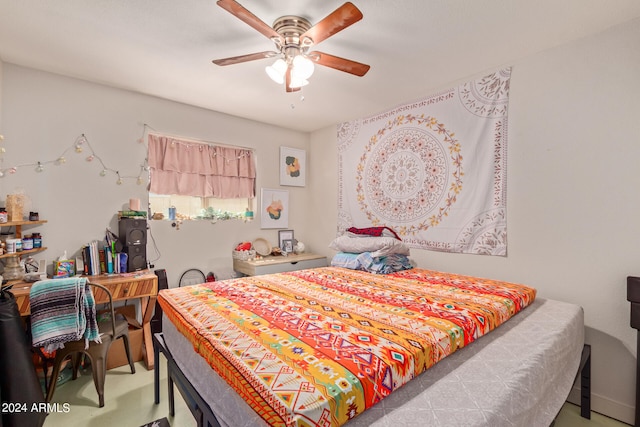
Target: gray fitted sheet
x,y
518,375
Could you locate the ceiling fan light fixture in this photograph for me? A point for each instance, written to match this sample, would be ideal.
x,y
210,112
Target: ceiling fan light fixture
x,y
277,71
297,82
294,37
302,67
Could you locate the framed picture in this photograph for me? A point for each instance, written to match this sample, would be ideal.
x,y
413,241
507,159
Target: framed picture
x,y
284,235
287,246
293,166
274,208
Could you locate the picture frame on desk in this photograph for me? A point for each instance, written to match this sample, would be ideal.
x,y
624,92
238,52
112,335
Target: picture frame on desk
x,y
287,246
284,235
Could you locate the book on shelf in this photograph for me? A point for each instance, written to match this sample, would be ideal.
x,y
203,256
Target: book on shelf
x,y
99,258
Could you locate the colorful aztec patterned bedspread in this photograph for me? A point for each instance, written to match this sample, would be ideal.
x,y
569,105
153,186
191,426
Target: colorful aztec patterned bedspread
x,y
317,347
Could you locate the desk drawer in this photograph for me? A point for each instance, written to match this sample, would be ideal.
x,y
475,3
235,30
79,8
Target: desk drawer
x,y
128,289
290,266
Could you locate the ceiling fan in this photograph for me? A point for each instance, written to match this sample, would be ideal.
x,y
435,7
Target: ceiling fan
x,y
294,36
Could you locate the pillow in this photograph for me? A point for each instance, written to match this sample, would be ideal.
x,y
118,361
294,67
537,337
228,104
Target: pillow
x,y
379,246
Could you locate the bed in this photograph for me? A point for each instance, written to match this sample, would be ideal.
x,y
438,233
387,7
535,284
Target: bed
x,y
372,351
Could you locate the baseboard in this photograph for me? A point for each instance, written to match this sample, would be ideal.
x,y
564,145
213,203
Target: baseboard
x,y
602,405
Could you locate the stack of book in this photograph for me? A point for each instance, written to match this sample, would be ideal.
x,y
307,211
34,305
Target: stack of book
x,y
101,257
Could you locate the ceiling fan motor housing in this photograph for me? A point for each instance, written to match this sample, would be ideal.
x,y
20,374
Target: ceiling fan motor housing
x,y
291,27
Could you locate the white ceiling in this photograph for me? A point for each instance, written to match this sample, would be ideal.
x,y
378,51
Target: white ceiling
x,y
165,47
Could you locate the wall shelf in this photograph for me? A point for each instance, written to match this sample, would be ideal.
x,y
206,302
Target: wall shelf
x,y
23,253
18,225
21,223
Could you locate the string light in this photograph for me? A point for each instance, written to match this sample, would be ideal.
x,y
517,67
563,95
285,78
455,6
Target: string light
x,y
79,146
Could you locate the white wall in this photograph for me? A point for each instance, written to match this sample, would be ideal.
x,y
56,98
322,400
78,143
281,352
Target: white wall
x,y
43,114
573,197
572,182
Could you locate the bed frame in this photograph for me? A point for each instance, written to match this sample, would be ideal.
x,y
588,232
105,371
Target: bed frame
x,y
205,417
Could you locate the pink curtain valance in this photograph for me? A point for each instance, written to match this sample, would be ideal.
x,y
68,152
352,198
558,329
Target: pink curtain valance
x,y
201,170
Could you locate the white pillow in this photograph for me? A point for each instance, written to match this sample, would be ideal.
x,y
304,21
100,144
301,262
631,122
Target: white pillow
x,y
379,246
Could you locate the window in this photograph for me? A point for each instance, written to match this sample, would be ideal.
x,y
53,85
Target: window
x,y
190,207
201,180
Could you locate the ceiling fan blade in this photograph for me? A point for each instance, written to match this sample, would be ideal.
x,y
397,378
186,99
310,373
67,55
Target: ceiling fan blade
x,y
240,12
336,21
245,58
287,82
346,65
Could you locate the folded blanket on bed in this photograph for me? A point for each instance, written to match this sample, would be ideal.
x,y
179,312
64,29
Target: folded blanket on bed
x,y
62,310
384,264
367,261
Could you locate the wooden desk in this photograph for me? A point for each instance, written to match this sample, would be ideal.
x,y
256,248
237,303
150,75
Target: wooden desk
x,y
142,285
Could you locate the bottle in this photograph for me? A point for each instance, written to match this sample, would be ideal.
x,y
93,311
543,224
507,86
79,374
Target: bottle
x,y
37,240
27,243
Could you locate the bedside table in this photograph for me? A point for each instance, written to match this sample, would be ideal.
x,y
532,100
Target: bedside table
x,y
278,264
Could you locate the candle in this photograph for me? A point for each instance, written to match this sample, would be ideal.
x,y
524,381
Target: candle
x,y
134,204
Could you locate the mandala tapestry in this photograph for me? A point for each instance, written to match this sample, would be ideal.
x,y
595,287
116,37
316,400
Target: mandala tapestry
x,y
433,170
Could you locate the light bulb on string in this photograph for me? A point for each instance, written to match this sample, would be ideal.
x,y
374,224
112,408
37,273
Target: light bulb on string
x,y
79,146
1,174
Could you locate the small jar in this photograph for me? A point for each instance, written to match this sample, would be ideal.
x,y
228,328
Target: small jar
x,y
3,215
18,245
11,246
33,216
27,243
37,240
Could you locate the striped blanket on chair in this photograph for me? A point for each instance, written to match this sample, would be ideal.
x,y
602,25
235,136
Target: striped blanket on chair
x,y
62,310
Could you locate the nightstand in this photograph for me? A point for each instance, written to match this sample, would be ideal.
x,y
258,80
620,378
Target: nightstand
x,y
279,264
